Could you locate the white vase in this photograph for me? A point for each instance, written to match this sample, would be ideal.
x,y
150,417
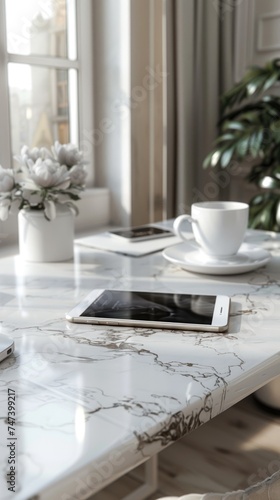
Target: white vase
x,y
41,240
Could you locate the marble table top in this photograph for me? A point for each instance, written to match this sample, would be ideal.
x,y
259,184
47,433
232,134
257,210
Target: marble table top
x,y
92,402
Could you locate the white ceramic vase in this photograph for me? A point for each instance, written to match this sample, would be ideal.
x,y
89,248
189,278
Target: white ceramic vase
x,y
41,240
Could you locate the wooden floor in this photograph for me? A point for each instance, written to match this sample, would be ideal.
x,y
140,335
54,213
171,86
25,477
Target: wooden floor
x,y
236,449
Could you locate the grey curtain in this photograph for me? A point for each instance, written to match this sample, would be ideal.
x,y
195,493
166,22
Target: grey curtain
x,y
200,62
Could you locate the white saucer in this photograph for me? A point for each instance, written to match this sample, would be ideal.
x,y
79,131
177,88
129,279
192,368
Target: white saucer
x,y
189,256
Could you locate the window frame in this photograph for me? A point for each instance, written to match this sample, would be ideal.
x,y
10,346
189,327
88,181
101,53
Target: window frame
x,y
84,66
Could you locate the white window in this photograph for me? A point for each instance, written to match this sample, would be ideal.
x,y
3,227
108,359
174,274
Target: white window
x,y
44,73
82,71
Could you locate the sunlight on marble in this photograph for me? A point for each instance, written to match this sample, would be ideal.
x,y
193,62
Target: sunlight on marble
x,y
80,424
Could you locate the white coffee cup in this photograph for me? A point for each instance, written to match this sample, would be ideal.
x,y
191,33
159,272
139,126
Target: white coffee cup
x,y
218,226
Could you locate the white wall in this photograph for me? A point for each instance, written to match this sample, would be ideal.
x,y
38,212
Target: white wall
x,y
112,113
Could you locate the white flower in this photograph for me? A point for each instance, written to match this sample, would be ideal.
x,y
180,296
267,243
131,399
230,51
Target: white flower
x,y
47,174
67,154
32,154
43,179
7,181
77,175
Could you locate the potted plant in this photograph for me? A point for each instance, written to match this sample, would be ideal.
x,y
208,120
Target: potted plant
x,y
250,132
44,187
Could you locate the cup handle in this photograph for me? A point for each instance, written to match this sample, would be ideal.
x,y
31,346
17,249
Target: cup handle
x,y
178,222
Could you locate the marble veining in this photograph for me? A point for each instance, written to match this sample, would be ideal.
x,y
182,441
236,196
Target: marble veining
x,y
94,401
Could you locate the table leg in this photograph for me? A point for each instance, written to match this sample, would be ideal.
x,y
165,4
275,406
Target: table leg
x,y
151,481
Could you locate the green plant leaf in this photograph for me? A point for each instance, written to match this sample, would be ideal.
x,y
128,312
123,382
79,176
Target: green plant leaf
x,y
225,138
269,182
226,157
207,161
271,81
235,125
215,157
256,173
73,196
263,219
250,129
255,85
256,143
251,116
263,211
242,146
275,128
256,80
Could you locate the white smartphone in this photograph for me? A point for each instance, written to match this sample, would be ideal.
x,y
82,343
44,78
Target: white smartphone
x,y
142,233
6,347
153,310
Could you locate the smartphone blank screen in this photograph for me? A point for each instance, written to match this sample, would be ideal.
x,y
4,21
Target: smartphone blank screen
x,y
142,232
153,306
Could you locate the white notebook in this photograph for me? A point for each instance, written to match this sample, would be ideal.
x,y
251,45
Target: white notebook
x,y
106,241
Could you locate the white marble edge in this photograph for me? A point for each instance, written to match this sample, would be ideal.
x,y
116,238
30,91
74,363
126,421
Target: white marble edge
x,y
93,402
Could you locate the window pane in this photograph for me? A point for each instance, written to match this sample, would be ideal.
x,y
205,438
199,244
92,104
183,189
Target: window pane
x,y
39,106
41,27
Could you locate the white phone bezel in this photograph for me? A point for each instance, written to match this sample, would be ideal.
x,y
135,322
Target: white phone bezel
x,y
6,347
219,320
221,312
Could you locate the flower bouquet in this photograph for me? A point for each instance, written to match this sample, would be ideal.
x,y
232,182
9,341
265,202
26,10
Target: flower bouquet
x,y
43,179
